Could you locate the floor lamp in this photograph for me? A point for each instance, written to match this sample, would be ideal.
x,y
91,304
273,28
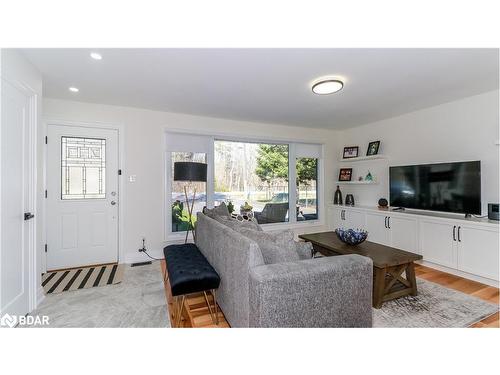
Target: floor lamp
x,y
188,171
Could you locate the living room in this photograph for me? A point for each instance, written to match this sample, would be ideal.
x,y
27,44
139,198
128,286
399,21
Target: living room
x,y
249,187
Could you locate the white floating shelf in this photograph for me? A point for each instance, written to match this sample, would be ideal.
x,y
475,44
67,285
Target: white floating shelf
x,y
357,182
363,158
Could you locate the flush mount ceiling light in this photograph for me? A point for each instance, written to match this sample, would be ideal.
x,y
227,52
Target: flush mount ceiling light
x,y
96,56
327,86
73,89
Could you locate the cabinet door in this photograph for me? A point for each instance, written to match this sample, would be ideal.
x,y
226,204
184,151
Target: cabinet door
x,y
403,232
376,227
477,251
335,218
354,219
437,244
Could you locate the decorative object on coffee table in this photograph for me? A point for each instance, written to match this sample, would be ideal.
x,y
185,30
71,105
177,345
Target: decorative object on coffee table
x,y
349,200
373,148
351,236
190,172
389,264
337,197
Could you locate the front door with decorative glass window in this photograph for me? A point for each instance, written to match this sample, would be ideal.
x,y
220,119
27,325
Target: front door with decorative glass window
x,y
82,196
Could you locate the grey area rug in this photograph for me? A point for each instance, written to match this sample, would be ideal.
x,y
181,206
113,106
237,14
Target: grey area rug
x,y
435,306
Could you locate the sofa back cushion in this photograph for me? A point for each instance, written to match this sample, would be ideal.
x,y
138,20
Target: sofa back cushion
x,y
278,247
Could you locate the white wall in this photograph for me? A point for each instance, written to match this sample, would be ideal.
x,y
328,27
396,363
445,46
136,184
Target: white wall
x,y
462,130
144,157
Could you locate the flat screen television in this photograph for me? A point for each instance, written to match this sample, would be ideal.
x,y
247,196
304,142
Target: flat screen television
x,y
446,187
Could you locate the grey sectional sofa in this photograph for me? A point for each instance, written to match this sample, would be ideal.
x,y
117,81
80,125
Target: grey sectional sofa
x,y
321,292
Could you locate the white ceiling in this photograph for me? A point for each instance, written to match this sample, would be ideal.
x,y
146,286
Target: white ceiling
x,y
270,85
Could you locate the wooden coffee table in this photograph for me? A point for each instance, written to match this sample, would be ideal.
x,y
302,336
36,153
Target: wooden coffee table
x,y
389,264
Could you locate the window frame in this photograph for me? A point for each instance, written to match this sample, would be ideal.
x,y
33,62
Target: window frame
x,y
210,157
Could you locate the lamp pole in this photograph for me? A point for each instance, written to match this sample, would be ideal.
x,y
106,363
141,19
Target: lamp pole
x,y
190,212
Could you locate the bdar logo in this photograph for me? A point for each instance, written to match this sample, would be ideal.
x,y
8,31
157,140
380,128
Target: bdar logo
x,y
8,321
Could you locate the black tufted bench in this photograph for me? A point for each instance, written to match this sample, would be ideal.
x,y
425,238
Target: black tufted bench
x,y
189,272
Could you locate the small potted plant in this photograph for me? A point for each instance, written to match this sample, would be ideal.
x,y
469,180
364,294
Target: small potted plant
x,y
246,209
230,207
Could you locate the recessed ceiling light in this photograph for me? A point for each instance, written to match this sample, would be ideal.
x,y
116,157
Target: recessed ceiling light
x,y
73,89
96,56
327,86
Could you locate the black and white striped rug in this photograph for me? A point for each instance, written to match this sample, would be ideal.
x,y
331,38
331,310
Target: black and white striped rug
x,y
81,278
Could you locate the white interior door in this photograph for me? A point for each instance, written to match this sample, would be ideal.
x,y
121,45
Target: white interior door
x,y
82,196
17,234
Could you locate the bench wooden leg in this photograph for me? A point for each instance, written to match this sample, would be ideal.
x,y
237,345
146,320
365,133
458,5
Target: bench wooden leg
x,y
215,306
178,317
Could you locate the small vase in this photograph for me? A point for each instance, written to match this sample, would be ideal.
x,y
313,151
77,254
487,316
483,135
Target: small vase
x,y
337,197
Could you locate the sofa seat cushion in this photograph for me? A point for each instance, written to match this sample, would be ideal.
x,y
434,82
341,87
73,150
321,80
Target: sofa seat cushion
x,y
189,270
276,247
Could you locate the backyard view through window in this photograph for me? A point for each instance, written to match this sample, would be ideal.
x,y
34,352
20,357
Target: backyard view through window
x,y
253,177
307,188
180,218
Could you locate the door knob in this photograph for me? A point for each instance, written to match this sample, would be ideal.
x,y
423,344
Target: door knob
x,y
113,203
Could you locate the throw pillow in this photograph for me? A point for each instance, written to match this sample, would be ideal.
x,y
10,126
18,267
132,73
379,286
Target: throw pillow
x,y
235,224
275,247
220,210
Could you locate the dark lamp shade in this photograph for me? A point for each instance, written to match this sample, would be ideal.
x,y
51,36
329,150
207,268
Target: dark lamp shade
x,y
190,171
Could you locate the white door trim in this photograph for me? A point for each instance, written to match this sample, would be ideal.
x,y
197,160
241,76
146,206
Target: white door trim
x,y
121,191
32,189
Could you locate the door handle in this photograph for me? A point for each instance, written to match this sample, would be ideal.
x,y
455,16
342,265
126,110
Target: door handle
x,y
389,222
459,240
385,222
454,236
28,216
113,203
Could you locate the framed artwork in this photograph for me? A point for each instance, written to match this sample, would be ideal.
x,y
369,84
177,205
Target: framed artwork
x,y
345,174
351,152
373,148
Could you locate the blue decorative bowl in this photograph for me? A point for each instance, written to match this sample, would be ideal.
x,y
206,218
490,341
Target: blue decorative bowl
x,y
351,236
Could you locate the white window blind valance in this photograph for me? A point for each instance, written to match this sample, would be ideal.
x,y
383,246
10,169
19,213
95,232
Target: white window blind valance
x,y
179,142
308,150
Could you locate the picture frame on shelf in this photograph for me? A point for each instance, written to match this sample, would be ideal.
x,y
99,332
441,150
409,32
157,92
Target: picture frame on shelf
x,y
350,152
373,148
345,174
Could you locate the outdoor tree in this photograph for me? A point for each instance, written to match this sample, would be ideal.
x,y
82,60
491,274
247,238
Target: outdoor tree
x,y
307,171
272,163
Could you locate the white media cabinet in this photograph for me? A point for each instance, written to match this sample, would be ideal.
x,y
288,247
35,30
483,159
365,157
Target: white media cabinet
x,y
450,243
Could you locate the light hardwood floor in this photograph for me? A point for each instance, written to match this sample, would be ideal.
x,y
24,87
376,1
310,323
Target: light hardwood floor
x,y
196,314
485,292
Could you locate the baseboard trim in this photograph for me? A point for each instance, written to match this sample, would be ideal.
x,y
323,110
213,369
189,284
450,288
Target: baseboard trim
x,y
141,257
465,275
